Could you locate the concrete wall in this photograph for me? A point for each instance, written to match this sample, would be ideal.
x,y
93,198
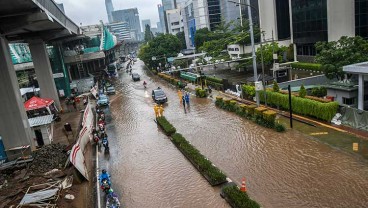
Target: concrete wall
x,y
340,19
339,94
47,133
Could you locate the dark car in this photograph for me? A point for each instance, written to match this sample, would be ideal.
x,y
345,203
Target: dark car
x,y
136,77
110,90
159,96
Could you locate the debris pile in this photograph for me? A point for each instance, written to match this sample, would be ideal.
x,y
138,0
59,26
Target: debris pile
x,y
49,157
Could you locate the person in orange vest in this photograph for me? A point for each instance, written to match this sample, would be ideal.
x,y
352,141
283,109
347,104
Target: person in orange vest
x,y
180,95
155,108
161,110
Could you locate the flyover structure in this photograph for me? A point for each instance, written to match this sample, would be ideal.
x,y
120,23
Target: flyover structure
x,y
36,22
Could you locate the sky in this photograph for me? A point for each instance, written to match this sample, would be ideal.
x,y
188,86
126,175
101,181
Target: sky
x,y
90,12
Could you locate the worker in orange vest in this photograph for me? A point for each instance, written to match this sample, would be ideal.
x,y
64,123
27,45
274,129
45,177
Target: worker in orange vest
x,y
180,95
155,108
161,110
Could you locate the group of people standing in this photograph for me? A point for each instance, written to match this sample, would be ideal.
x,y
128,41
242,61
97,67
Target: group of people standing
x,y
159,110
184,98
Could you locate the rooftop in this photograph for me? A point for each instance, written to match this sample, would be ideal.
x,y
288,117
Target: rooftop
x,y
39,121
359,68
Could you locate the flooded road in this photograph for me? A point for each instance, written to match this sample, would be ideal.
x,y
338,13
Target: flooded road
x,y
147,169
282,169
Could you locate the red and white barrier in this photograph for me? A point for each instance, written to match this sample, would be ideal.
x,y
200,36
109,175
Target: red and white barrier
x,y
77,154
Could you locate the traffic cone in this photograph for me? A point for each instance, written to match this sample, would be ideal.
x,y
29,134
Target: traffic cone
x,y
243,188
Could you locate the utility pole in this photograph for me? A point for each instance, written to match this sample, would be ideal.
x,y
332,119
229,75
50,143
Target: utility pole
x,y
253,48
263,74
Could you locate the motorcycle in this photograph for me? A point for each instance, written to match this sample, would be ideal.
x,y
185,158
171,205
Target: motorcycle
x,y
105,143
105,186
96,139
101,127
112,201
101,116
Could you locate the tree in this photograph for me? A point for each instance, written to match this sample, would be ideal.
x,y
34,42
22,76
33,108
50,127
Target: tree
x,y
148,34
302,92
276,87
181,37
336,54
268,51
201,36
161,47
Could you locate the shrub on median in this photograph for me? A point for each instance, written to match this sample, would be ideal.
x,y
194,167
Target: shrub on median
x,y
203,165
238,199
200,93
166,126
260,115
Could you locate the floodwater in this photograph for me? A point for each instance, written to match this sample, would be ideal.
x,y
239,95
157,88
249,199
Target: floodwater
x,y
282,169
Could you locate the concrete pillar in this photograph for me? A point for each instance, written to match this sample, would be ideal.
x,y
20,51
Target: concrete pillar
x,y
361,92
14,127
43,70
340,19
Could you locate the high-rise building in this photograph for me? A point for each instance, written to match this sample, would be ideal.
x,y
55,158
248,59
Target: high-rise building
x,y
131,16
167,5
214,13
159,28
174,21
195,16
144,23
121,30
109,10
161,15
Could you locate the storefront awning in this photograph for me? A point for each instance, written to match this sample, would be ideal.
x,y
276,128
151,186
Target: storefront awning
x,y
37,103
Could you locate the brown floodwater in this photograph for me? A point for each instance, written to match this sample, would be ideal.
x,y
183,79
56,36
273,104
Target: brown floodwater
x,y
282,169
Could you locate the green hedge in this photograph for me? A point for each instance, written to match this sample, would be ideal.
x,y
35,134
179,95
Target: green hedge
x,y
302,106
214,79
248,91
307,66
238,199
211,173
215,85
166,126
200,93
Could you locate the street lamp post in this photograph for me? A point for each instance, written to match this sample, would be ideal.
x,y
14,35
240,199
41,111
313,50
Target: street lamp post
x,y
251,40
253,48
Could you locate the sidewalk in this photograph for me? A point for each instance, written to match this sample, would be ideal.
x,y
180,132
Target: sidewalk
x,y
71,116
341,128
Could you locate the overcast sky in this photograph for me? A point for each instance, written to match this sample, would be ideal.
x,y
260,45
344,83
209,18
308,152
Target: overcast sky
x,y
90,12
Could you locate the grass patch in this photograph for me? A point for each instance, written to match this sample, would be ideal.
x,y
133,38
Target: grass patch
x,y
214,175
166,125
238,199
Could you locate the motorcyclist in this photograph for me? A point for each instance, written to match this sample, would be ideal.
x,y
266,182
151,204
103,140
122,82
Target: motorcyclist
x,y
105,142
100,121
104,175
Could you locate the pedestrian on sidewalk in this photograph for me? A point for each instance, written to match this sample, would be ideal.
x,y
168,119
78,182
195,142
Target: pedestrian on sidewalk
x,y
85,101
74,104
